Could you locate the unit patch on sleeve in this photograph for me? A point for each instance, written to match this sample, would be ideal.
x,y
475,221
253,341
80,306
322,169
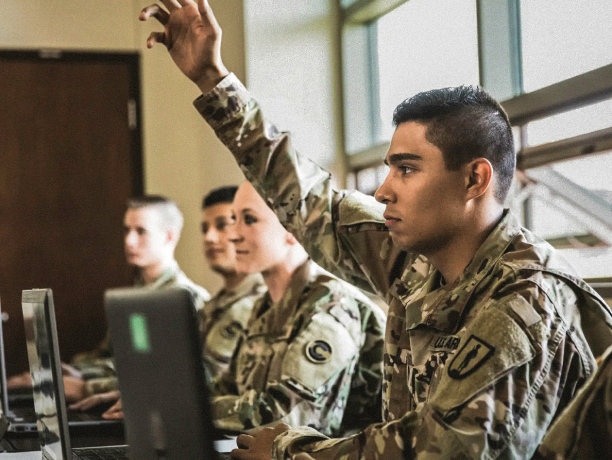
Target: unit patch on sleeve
x,y
473,354
318,351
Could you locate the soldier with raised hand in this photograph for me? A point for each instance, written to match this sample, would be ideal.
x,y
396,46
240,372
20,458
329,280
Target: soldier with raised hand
x,y
489,334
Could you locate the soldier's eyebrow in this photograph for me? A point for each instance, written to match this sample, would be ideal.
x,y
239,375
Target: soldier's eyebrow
x,y
397,157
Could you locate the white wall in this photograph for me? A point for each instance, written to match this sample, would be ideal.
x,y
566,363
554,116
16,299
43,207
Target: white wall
x,y
182,157
291,65
292,70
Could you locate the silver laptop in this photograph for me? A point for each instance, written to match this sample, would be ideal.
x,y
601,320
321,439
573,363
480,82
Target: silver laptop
x,y
19,407
48,384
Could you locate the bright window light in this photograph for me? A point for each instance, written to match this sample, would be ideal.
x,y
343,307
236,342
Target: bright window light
x,y
563,38
424,44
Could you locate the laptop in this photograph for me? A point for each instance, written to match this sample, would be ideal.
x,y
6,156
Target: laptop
x,y
158,359
18,407
47,382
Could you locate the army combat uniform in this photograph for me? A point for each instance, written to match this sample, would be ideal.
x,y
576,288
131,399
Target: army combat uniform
x,y
97,366
223,319
312,358
474,370
584,430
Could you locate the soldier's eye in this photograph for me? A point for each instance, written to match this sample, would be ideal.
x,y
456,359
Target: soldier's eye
x,y
204,227
249,219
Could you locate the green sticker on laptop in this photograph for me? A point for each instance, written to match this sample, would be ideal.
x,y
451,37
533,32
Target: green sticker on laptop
x,y
140,333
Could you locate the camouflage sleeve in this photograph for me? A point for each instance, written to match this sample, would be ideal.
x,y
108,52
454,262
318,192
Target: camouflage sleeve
x,y
584,430
101,385
97,368
343,232
493,400
308,381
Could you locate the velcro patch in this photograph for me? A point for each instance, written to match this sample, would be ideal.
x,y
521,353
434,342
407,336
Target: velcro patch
x,y
318,351
494,343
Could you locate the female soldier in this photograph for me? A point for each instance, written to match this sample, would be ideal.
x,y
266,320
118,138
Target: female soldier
x,y
312,352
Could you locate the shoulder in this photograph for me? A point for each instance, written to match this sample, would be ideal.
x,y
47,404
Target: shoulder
x,y
199,293
329,294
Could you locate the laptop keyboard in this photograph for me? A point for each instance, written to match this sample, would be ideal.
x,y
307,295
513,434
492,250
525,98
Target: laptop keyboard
x,y
101,453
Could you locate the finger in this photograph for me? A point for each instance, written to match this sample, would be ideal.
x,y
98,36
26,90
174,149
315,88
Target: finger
x,y
207,13
281,428
239,454
171,5
77,405
85,404
118,415
244,441
156,11
156,37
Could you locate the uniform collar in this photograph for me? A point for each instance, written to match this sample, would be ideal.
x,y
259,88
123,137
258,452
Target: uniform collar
x,y
441,307
170,273
277,313
250,285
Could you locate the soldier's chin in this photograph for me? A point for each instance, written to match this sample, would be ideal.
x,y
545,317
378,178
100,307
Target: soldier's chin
x,y
399,242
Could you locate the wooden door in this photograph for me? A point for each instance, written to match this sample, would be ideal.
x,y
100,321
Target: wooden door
x,y
69,158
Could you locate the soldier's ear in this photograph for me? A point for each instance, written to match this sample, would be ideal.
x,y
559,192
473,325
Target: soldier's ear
x,y
479,176
172,236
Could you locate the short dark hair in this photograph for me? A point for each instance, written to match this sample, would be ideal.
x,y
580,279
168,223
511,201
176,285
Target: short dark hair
x,y
170,216
465,122
219,195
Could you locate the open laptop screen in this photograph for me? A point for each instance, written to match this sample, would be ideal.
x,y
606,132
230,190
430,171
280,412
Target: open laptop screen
x,y
161,374
45,369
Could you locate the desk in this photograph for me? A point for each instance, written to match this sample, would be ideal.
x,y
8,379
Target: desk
x,y
80,436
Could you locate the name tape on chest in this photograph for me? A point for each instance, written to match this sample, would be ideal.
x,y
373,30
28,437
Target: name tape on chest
x,y
447,343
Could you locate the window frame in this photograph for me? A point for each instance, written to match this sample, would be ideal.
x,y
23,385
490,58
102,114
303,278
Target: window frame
x,y
500,67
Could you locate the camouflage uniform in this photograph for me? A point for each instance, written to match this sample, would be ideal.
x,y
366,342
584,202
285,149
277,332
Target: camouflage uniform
x,y
478,369
584,430
222,320
312,358
97,365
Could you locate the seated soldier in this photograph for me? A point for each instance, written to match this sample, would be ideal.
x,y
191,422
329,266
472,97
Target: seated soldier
x,y
312,352
152,226
489,333
224,317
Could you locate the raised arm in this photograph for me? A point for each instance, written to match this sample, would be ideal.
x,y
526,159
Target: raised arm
x,y
343,232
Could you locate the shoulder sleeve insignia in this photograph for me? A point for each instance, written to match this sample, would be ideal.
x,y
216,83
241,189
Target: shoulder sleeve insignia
x,y
473,354
318,351
231,330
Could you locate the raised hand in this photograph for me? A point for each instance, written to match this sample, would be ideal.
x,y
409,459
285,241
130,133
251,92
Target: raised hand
x,y
193,39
